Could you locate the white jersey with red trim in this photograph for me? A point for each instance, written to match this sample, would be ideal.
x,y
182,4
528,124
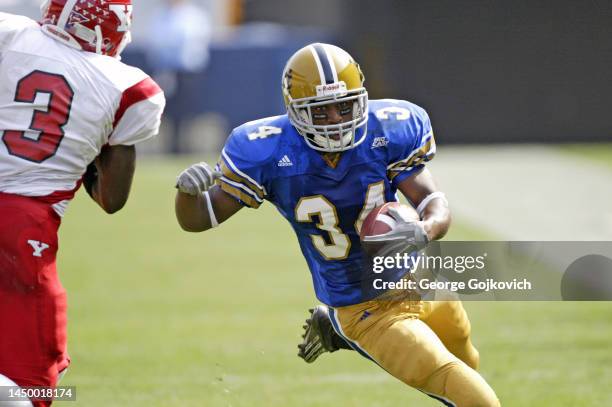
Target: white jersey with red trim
x,y
59,106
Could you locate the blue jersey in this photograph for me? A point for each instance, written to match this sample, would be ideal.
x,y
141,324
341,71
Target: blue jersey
x,y
325,202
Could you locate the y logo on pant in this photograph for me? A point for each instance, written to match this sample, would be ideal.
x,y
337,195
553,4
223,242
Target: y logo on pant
x,y
38,247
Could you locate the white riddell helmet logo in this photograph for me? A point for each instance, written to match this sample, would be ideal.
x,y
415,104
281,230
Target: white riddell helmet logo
x,y
332,89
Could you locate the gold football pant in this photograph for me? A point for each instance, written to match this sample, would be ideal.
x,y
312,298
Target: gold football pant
x,y
425,344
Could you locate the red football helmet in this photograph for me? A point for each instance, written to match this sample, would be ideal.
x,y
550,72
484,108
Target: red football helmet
x,y
99,26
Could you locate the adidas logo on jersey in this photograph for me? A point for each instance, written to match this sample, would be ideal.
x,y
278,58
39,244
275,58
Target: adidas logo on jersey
x,y
285,162
380,142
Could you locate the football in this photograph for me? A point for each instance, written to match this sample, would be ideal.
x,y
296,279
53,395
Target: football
x,y
379,222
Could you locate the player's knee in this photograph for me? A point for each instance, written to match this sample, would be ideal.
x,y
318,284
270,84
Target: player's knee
x,y
489,401
482,399
475,391
461,385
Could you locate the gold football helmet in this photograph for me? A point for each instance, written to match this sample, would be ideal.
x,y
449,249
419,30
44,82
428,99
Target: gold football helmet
x,y
322,74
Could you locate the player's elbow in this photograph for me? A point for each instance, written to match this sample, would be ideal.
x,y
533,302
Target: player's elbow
x,y
189,225
112,204
188,221
112,198
114,207
193,229
190,212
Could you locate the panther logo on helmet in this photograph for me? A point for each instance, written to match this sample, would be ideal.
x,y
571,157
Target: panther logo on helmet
x,y
98,26
321,74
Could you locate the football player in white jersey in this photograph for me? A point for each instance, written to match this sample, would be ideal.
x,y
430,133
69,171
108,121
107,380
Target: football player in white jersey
x,y
70,114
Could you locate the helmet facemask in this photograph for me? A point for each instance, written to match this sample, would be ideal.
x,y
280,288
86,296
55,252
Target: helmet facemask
x,y
331,137
322,75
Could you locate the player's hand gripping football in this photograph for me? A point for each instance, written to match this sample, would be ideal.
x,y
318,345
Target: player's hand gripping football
x,y
196,179
406,235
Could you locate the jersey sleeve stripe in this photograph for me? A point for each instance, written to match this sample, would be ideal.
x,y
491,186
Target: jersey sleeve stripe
x,y
229,174
428,145
391,174
143,90
235,169
238,194
242,187
423,154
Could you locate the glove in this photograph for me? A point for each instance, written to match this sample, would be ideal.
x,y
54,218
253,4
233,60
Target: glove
x,y
407,235
196,179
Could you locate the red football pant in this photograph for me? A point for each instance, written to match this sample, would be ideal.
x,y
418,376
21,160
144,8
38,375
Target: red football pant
x,y
32,299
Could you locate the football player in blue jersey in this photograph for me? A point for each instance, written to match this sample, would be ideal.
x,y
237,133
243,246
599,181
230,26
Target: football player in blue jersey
x,y
325,164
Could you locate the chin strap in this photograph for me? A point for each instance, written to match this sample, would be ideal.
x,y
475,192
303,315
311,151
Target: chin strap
x,y
60,35
99,39
65,15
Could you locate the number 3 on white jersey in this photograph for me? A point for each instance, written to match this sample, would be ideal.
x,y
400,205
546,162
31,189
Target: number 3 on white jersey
x,y
318,205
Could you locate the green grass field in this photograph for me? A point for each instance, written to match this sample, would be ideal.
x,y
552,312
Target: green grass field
x,y
161,317
596,152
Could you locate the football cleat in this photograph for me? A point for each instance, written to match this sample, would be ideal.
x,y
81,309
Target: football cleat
x,y
318,336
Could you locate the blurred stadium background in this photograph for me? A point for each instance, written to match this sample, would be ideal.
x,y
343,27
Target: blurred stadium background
x,y
520,96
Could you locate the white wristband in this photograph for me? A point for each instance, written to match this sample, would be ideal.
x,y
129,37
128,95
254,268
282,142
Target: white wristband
x,y
428,199
211,212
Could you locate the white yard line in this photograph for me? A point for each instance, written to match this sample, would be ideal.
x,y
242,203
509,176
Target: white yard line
x,y
527,192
